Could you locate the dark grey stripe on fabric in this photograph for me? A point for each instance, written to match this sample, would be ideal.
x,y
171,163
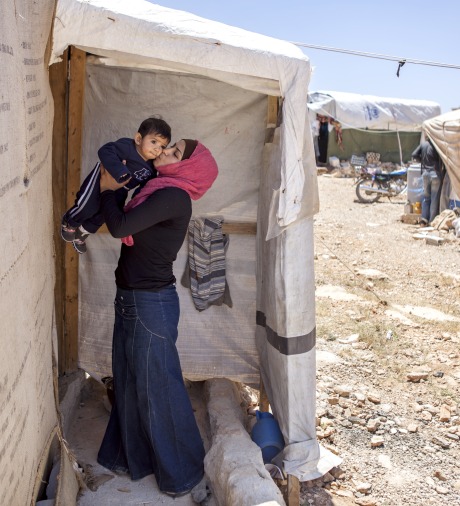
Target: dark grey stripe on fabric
x,y
287,345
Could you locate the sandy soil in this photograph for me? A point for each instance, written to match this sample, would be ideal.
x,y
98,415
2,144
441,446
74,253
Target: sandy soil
x,y
388,325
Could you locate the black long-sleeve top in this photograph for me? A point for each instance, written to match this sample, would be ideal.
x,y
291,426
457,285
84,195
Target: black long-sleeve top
x,y
112,155
158,227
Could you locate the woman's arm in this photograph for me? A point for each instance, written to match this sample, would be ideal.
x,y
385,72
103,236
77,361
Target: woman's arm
x,y
162,205
107,182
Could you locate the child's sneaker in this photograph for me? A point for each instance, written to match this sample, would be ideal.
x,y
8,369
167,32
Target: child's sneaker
x,y
67,231
79,241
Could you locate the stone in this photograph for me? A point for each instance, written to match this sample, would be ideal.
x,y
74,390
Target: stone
x,y
333,400
456,485
377,441
444,413
374,398
353,338
442,490
372,274
366,501
415,376
363,487
373,424
359,396
412,427
443,443
439,475
430,482
434,240
343,492
343,390
426,415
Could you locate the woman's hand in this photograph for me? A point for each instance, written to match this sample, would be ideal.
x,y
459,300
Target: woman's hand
x,y
108,182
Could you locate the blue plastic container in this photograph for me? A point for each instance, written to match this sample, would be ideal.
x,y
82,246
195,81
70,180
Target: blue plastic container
x,y
266,433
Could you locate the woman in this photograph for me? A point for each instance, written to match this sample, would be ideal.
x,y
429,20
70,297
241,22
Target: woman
x,y
152,428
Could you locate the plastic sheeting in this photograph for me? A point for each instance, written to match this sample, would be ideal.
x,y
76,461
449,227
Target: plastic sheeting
x,y
377,113
444,131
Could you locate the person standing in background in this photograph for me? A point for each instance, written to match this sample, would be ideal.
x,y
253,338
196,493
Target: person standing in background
x,y
431,175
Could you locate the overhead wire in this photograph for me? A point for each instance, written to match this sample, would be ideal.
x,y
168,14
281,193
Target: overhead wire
x,y
400,59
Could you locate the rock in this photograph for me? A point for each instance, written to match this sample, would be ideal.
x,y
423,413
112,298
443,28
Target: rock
x,y
374,398
430,482
358,396
372,274
412,427
363,488
439,475
456,485
385,461
426,415
452,436
327,478
442,490
366,501
373,424
415,377
343,390
444,413
350,339
443,443
337,473
343,492
333,400
377,441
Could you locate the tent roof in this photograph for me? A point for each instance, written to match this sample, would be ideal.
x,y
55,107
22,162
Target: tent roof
x,y
444,131
144,33
367,111
140,34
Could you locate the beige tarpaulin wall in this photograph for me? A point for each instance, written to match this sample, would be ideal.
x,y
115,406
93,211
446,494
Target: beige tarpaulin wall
x,y
444,131
28,416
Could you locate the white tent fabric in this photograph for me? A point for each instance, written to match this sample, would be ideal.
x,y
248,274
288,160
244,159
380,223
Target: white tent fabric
x,y
148,34
444,131
376,113
212,79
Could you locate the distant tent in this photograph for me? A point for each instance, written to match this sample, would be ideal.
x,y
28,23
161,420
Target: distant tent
x,y
363,123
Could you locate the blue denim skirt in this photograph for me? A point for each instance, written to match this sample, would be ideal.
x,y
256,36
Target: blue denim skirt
x,y
152,427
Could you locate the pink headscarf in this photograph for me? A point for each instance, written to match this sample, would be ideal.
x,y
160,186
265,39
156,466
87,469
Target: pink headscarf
x,y
194,175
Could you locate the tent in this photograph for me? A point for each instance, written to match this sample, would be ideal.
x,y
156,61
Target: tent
x,y
77,73
389,126
444,132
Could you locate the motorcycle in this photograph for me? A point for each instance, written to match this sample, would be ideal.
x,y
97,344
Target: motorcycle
x,y
372,185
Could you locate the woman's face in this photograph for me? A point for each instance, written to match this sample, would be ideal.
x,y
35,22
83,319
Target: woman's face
x,y
170,155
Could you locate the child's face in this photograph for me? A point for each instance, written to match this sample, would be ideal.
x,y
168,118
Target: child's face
x,y
170,155
150,146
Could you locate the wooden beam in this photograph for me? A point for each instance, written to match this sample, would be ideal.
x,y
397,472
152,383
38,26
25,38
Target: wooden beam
x,y
77,70
293,491
58,84
272,112
264,404
240,228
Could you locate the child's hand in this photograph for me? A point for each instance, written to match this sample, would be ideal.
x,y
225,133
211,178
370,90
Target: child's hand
x,y
108,182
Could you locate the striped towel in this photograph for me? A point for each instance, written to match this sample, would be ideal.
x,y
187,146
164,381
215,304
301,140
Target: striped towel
x,y
205,270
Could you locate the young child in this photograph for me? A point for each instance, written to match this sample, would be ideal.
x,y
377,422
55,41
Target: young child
x,y
128,160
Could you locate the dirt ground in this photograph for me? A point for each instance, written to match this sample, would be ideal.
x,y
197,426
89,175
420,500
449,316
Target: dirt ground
x,y
388,326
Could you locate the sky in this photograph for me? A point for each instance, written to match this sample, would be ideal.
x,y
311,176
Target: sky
x,y
417,29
